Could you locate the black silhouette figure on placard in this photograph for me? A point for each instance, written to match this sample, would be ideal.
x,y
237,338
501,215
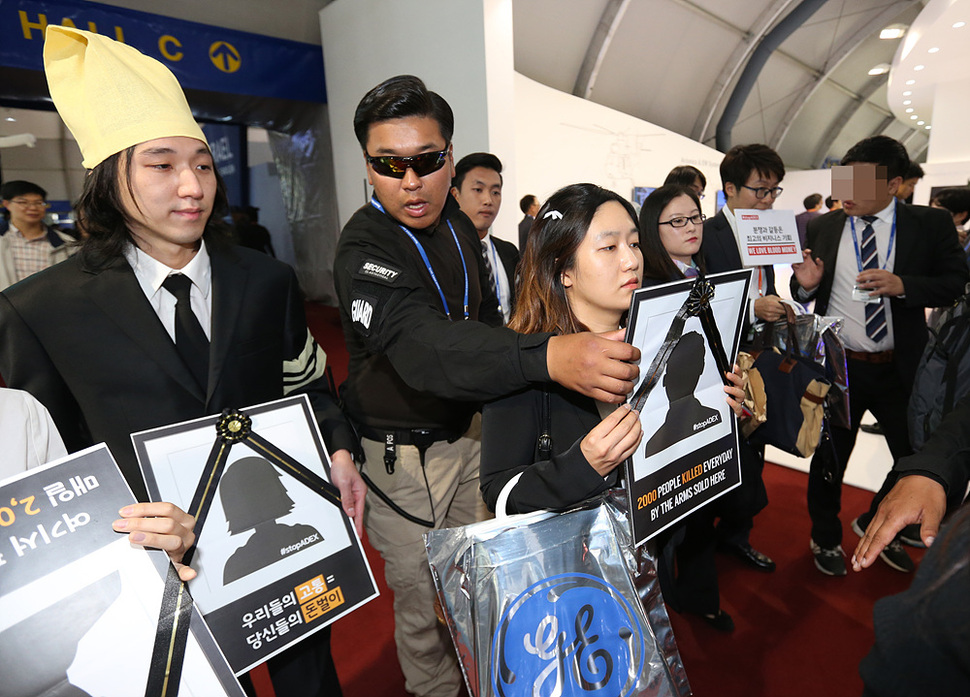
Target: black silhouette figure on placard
x,y
254,498
36,652
685,414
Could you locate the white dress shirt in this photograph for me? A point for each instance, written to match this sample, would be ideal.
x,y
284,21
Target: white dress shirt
x,y
151,273
846,269
27,433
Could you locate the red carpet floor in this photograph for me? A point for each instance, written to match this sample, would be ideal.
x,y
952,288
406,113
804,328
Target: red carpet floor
x,y
798,634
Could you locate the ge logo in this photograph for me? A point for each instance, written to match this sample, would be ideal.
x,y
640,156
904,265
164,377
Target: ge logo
x,y
225,56
566,635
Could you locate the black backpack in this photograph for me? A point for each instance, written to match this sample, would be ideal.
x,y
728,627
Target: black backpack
x,y
943,375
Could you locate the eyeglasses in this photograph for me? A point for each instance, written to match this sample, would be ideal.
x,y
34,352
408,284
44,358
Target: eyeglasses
x,y
24,203
762,191
681,221
422,165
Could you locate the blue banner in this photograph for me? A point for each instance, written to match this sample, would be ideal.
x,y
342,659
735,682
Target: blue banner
x,y
203,57
227,143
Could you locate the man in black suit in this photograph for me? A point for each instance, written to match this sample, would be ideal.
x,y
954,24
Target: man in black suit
x,y
813,206
750,175
157,319
529,205
878,263
477,186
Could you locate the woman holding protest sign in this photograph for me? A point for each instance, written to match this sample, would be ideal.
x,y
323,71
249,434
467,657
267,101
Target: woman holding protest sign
x,y
550,447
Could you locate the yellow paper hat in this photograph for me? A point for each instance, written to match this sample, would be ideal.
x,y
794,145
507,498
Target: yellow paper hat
x,y
112,96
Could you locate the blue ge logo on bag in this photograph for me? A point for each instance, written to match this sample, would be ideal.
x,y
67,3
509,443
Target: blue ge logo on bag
x,y
566,635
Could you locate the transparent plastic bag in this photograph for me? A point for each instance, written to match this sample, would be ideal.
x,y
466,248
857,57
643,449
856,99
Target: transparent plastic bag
x,y
546,604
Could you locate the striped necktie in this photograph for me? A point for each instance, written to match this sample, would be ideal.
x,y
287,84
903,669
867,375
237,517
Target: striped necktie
x,y
488,263
876,328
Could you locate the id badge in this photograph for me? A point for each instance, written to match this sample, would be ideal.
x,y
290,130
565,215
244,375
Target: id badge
x,y
861,295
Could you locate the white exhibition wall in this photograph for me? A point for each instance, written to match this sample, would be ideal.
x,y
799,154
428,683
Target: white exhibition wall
x,y
562,139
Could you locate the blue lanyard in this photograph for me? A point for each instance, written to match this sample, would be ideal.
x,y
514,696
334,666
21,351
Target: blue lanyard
x,y
855,242
427,262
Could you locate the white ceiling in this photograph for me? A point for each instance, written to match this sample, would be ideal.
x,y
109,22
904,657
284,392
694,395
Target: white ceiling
x,y
936,42
671,62
676,63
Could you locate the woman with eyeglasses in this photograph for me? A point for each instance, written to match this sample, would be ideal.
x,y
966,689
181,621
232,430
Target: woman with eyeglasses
x,y
580,268
671,233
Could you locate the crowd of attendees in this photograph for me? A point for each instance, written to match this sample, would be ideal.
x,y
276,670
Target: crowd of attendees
x,y
457,318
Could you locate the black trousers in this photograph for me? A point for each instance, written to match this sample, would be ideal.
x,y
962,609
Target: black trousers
x,y
686,565
878,388
738,508
304,670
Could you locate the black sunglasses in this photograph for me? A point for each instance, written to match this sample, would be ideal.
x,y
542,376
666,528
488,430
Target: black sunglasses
x,y
397,167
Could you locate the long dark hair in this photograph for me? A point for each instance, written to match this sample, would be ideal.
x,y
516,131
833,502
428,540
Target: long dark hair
x,y
657,263
102,218
558,230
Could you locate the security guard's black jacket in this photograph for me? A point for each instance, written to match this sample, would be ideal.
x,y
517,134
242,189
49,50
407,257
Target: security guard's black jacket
x,y
410,366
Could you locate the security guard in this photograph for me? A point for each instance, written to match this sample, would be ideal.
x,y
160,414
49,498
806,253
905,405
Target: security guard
x,y
426,347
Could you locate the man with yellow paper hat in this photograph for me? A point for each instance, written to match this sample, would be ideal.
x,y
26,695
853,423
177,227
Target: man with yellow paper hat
x,y
157,319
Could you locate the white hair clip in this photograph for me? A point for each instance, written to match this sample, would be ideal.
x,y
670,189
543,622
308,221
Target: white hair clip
x,y
556,215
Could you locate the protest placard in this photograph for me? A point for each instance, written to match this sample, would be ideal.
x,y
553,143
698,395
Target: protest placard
x,y
277,560
689,455
79,604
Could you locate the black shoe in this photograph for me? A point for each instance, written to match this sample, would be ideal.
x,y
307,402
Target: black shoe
x,y
897,558
910,536
875,429
722,621
829,560
893,554
748,554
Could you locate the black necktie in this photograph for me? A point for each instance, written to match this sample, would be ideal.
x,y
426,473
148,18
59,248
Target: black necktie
x,y
190,339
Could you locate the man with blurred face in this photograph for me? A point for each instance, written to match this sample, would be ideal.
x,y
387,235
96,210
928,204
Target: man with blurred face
x,y
477,186
877,263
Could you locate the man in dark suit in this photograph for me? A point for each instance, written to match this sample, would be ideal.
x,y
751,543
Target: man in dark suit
x,y
156,319
813,204
529,205
878,263
477,186
750,175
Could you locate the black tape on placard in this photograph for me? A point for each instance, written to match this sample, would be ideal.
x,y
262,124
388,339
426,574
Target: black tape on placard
x,y
697,304
165,671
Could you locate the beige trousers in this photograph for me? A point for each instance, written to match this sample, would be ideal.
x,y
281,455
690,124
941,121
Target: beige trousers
x,y
424,647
